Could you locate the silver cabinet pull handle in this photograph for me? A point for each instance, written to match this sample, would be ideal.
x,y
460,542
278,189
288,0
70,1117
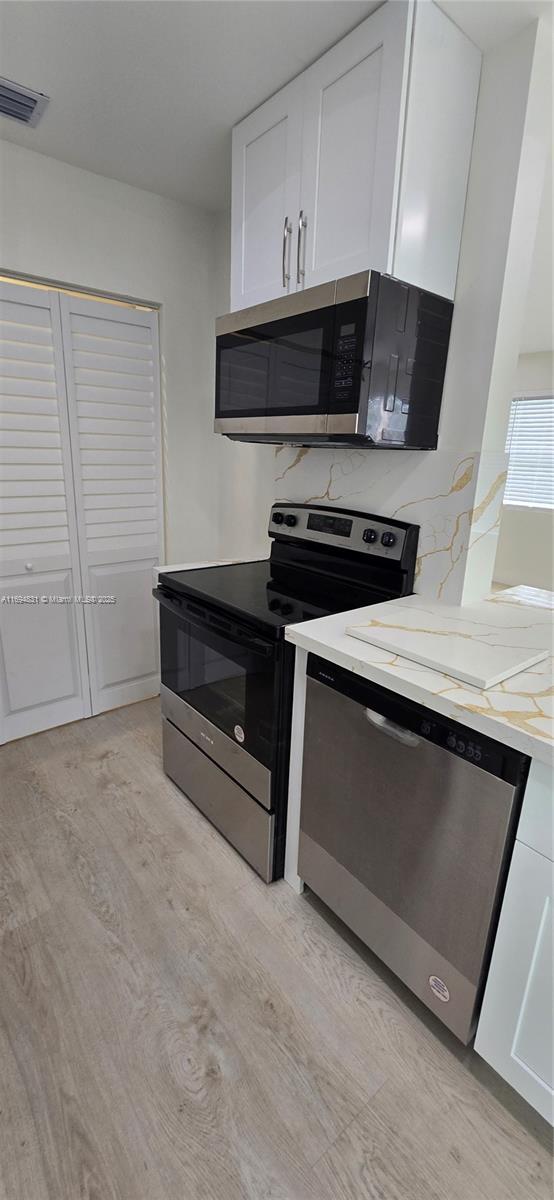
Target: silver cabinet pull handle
x,y
302,224
28,566
287,230
394,731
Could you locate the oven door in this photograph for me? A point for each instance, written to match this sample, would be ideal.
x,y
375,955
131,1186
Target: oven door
x,y
218,688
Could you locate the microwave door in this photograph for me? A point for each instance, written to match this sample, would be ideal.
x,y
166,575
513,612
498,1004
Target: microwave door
x,y
275,376
299,376
243,375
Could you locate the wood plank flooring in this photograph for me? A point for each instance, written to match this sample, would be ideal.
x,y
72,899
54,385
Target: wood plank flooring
x,y
172,1029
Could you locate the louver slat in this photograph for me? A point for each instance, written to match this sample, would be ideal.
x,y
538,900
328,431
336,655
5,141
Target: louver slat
x,y
115,424
530,445
32,491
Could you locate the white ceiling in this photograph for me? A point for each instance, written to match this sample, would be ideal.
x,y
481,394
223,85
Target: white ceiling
x,y
487,22
146,91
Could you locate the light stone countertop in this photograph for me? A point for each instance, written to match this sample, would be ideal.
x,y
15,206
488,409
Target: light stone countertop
x,y
197,566
517,711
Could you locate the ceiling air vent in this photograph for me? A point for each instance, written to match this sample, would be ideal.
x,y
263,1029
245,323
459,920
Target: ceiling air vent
x,y
20,103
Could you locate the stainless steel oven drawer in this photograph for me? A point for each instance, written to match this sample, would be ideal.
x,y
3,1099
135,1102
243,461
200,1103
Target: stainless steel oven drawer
x,y
231,756
248,827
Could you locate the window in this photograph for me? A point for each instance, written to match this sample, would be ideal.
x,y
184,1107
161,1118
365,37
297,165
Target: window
x,y
530,445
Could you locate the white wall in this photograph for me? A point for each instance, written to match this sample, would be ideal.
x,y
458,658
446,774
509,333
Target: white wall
x,y
68,225
535,374
524,552
526,538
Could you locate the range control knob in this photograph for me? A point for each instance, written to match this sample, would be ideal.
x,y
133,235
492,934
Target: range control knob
x,y
290,519
388,538
369,535
460,747
451,741
278,518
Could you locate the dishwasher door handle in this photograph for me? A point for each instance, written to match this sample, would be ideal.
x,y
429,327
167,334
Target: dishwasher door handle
x,y
394,731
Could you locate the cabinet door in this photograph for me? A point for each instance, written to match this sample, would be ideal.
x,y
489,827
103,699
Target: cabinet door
x,y
515,1033
354,100
266,198
438,134
112,367
43,669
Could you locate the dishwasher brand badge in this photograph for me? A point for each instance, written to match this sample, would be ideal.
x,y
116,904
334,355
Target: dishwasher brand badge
x,y
439,988
239,733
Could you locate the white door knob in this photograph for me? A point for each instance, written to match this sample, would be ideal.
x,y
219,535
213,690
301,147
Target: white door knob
x,y
28,566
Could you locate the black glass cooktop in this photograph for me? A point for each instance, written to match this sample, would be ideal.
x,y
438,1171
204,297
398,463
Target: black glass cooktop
x,y
264,594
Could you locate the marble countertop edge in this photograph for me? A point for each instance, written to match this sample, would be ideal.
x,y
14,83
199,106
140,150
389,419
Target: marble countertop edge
x,y
424,685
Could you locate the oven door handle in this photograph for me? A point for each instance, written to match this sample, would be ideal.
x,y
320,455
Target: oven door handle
x,y
239,637
394,731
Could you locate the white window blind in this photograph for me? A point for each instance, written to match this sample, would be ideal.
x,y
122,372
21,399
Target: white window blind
x,y
530,445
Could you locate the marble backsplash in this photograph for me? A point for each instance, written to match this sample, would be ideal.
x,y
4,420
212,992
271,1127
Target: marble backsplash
x,y
434,489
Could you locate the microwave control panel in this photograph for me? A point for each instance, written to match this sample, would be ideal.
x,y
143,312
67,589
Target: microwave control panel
x,y
345,356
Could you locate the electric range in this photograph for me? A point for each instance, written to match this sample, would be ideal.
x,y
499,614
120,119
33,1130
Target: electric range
x,y
227,672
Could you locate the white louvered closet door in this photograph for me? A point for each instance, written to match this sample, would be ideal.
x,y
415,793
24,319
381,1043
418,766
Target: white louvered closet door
x,y
43,664
112,371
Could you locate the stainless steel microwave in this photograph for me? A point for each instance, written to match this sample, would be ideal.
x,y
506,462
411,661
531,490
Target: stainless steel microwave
x,y
359,361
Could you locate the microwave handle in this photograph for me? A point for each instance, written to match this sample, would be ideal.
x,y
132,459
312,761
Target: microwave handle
x,y
249,641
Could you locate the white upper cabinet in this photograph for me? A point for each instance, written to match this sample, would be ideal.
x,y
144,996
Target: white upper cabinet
x,y
438,137
361,162
353,100
266,198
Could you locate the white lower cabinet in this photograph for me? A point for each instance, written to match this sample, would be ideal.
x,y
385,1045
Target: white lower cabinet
x,y
515,1032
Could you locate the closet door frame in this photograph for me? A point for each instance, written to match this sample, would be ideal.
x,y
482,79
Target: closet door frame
x,y
32,720
97,308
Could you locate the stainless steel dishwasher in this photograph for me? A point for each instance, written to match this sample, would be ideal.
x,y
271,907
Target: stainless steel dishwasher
x,y
407,825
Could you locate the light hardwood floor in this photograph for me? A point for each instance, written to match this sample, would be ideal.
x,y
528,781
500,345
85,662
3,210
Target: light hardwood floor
x,y
171,1029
